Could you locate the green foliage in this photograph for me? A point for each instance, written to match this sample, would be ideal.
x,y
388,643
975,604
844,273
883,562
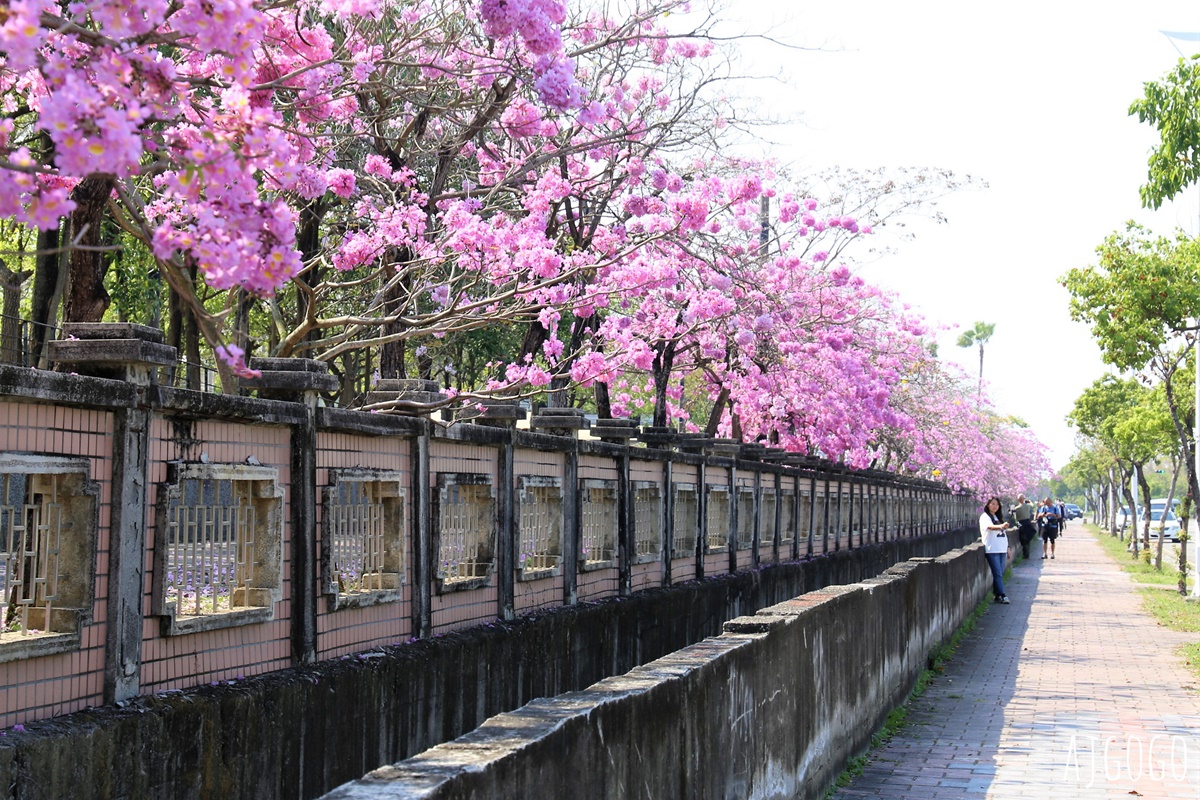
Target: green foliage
x,y
133,283
1172,106
1143,294
979,334
1096,410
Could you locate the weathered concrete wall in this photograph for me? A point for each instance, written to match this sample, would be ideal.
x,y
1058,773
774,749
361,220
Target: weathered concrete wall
x,y
770,709
300,732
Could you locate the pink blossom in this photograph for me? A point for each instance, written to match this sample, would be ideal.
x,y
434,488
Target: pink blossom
x,y
341,182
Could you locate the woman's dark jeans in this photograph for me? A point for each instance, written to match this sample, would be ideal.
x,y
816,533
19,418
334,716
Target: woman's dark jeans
x,y
996,562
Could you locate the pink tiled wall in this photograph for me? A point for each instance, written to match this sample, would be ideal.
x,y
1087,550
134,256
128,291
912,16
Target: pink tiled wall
x,y
540,593
716,563
351,630
683,569
182,661
59,684
596,584
745,557
461,609
544,592
650,574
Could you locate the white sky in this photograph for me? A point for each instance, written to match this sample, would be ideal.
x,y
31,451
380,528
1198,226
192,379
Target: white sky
x,y
1029,96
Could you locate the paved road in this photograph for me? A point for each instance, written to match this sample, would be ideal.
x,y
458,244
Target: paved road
x,y
1070,692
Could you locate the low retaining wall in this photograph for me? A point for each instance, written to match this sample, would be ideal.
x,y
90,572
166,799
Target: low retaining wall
x,y
298,733
772,708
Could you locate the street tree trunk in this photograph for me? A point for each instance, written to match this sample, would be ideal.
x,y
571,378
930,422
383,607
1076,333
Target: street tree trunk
x,y
10,324
86,299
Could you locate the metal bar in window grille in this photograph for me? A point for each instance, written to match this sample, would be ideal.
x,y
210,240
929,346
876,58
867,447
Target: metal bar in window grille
x,y
372,545
355,544
852,518
192,555
458,544
340,547
466,533
246,538
359,543
838,529
213,524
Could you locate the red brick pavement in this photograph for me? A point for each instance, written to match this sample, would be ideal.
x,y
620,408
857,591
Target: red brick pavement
x,y
1070,692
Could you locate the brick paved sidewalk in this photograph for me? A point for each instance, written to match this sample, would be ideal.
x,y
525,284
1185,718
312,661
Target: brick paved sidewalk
x,y
1070,692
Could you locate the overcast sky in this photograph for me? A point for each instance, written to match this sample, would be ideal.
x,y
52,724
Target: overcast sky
x,y
1030,97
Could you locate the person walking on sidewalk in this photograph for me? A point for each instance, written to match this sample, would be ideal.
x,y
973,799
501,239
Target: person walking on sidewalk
x,y
1023,513
994,532
1051,520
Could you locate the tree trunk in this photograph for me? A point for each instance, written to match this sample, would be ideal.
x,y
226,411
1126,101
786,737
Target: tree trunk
x,y
714,416
664,365
391,354
979,391
308,242
174,331
45,283
86,299
1183,431
1185,511
10,323
1163,522
603,402
1130,519
1144,485
191,343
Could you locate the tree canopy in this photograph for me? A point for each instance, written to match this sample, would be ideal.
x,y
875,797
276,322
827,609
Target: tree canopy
x,y
1172,106
515,197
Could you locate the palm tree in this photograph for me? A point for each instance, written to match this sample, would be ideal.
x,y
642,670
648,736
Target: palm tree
x,y
978,335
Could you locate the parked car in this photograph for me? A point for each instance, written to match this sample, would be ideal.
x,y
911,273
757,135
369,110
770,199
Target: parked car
x,y
1073,511
1156,507
1170,529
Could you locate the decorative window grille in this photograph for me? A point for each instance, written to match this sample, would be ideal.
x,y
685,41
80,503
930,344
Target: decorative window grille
x,y
766,518
855,513
787,519
745,520
466,530
805,516
365,528
47,553
598,523
717,518
220,546
687,521
540,527
647,521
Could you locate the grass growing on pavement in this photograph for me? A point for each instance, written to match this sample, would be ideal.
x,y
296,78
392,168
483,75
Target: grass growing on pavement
x,y
1139,570
1171,610
898,716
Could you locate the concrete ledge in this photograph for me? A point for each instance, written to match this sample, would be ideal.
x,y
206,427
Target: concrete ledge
x,y
770,709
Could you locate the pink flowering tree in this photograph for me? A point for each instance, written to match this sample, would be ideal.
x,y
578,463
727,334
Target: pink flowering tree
x,y
388,187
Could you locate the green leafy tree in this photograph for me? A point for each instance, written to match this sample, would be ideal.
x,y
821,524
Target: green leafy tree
x,y
1144,434
977,336
1172,106
1097,413
1142,301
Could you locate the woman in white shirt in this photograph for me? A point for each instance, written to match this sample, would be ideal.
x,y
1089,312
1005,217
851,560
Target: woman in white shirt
x,y
994,532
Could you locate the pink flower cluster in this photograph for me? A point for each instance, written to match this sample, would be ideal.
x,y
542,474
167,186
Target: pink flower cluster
x,y
539,24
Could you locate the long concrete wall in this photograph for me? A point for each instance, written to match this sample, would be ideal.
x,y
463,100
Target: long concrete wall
x,y
300,732
772,708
